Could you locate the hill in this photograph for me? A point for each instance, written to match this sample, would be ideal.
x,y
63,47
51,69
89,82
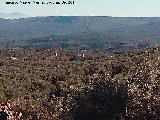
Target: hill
x,y
113,33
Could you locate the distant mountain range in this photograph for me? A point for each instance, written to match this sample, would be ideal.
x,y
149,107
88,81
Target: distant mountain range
x,y
13,16
75,32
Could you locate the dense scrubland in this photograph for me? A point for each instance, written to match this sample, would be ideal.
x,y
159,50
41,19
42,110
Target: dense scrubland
x,y
43,84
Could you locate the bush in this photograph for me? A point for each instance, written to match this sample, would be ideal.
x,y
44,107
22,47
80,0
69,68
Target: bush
x,y
103,100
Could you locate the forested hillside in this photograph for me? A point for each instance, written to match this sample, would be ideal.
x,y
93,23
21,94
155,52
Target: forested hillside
x,y
47,84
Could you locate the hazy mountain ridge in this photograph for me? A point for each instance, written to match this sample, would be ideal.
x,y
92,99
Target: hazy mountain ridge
x,y
13,16
83,31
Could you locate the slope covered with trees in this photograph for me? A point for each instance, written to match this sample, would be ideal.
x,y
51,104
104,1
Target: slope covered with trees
x,y
42,84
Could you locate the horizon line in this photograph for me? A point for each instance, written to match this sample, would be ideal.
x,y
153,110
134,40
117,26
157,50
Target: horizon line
x,y
30,16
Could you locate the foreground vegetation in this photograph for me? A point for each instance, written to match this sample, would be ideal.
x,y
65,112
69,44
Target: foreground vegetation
x,y
48,85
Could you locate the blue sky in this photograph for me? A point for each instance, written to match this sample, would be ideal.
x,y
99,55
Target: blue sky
x,y
87,8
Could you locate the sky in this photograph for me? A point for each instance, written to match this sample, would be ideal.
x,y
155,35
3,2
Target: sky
x,y
120,8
